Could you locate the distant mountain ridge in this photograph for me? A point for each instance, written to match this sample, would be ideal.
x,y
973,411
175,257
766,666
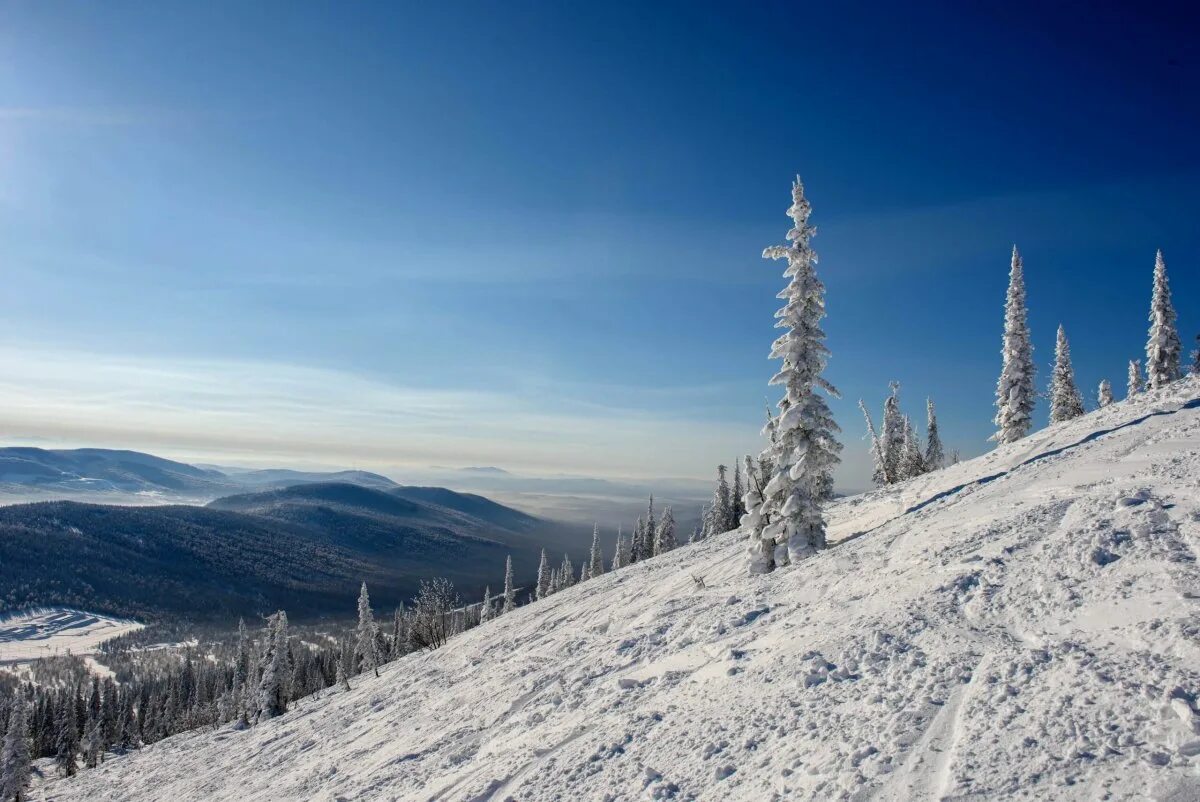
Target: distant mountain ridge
x,y
86,474
304,548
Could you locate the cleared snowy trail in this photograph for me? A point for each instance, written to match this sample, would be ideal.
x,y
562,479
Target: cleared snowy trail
x,y
1022,626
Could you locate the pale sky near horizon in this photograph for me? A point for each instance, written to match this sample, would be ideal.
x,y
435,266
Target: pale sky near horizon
x,y
386,234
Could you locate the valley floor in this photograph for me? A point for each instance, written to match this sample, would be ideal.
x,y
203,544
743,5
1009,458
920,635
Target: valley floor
x,y
1022,626
57,631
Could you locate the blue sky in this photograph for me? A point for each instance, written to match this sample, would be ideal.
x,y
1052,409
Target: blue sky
x,y
529,234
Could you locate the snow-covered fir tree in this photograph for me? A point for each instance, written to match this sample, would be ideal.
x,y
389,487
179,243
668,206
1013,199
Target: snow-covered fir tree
x,y
664,537
510,593
543,577
241,674
566,573
67,737
399,632
368,630
272,688
636,538
878,471
1134,384
485,609
892,437
16,763
596,557
722,507
912,461
1196,358
1163,347
935,456
648,526
1104,395
621,551
737,498
584,571
1015,391
806,448
340,679
1066,403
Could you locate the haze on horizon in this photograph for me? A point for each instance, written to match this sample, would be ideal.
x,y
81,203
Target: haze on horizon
x,y
382,236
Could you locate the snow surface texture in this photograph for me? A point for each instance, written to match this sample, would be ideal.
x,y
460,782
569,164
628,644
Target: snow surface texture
x,y
1021,626
47,632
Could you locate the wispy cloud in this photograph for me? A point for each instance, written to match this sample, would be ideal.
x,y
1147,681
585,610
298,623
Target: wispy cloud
x,y
279,413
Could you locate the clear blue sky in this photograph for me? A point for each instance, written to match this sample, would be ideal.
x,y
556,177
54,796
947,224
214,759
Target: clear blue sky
x,y
529,234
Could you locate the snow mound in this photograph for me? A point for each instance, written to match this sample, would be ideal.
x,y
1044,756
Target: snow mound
x,y
1024,625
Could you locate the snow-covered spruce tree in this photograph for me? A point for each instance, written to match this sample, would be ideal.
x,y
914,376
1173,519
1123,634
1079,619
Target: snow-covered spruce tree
x,y
272,690
566,573
1196,358
912,462
543,577
340,678
648,527
66,737
1163,348
751,520
935,456
1134,384
664,537
596,557
241,675
1104,395
15,761
399,632
806,450
737,498
585,571
1066,403
485,609
621,551
892,436
368,656
1015,391
636,538
878,472
722,504
510,593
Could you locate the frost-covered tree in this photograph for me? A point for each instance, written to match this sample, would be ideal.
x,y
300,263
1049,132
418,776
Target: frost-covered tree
x,y
912,461
1134,384
67,737
1196,358
935,456
892,437
241,674
664,537
15,761
340,679
510,593
566,573
368,630
92,744
806,448
596,557
1066,403
543,577
722,508
272,687
433,612
585,571
621,552
737,499
1104,396
648,527
485,609
1015,391
636,538
1163,347
399,632
878,471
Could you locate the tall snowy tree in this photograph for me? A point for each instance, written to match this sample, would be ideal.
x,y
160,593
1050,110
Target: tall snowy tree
x,y
1196,358
566,573
1104,395
1065,401
648,526
737,499
912,462
241,674
510,593
664,537
15,761
67,737
878,470
368,630
806,450
935,456
621,552
485,610
1015,391
272,688
596,561
892,437
636,538
1133,384
543,577
721,504
1163,347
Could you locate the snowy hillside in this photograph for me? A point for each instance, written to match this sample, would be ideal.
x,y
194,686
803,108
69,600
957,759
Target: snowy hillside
x,y
1024,625
43,633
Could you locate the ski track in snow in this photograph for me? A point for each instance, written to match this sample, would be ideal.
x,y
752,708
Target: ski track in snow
x,y
1021,626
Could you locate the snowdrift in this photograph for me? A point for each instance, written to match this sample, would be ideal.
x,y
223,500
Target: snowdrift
x,y
1024,625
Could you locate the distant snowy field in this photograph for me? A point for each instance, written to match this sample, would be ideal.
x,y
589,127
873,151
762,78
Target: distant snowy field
x,y
44,633
1022,626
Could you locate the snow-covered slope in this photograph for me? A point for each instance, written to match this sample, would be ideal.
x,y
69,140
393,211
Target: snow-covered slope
x,y
1025,625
